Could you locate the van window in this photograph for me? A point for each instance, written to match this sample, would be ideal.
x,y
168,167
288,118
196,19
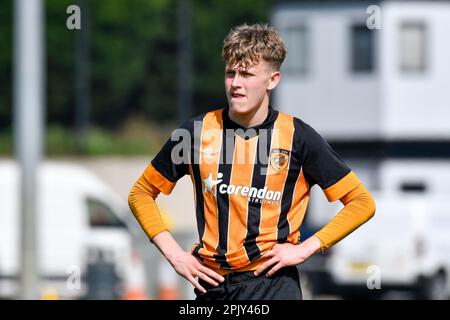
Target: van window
x,y
101,215
297,40
362,49
413,187
413,46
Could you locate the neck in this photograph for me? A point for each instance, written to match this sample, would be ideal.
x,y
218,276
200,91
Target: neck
x,y
252,118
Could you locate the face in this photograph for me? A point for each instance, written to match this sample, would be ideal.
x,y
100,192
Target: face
x,y
248,89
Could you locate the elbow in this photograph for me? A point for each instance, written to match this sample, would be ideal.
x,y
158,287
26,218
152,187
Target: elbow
x,y
366,205
141,193
130,202
132,198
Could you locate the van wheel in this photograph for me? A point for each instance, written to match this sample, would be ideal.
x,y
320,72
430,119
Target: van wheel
x,y
102,280
434,288
306,286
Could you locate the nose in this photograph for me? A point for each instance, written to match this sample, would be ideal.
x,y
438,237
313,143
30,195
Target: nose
x,y
236,80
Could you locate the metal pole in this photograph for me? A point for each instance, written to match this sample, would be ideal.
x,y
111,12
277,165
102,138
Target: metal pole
x,y
82,92
184,60
28,118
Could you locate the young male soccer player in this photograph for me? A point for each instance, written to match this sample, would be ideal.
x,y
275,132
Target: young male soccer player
x,y
252,168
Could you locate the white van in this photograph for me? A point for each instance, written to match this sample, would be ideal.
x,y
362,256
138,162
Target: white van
x,y
406,245
83,242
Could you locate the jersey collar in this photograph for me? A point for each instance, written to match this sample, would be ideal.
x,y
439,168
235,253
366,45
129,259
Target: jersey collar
x,y
267,123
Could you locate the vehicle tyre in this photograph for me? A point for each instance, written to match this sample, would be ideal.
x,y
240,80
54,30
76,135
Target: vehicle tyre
x,y
434,288
306,285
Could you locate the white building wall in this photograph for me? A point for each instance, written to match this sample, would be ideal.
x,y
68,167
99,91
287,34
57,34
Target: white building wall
x,y
329,97
416,106
387,103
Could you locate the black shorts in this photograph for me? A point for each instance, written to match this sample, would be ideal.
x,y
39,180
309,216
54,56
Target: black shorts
x,y
283,285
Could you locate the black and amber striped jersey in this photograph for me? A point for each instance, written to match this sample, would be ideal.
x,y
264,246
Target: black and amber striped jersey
x,y
251,185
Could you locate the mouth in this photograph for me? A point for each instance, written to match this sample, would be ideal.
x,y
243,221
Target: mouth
x,y
235,95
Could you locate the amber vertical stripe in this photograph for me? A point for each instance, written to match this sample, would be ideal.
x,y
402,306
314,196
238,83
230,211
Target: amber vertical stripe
x,y
282,138
211,141
243,162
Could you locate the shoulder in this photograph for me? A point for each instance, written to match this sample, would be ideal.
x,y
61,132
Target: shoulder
x,y
298,123
214,115
302,125
303,130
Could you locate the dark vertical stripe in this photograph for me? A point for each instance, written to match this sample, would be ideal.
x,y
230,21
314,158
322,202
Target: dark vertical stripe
x,y
288,191
225,166
195,156
254,208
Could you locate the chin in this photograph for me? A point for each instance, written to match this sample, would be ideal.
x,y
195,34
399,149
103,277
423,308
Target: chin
x,y
240,109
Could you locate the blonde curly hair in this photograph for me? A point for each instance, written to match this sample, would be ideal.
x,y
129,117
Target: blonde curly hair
x,y
246,45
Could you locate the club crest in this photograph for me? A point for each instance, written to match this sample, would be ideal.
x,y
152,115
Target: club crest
x,y
279,159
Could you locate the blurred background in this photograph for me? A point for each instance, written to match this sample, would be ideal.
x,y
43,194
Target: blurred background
x,y
90,90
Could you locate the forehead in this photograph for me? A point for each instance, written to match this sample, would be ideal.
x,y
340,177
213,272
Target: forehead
x,y
242,66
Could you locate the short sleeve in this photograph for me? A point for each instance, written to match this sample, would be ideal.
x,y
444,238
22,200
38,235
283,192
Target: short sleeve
x,y
172,161
321,165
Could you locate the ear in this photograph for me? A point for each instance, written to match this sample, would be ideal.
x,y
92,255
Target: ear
x,y
273,80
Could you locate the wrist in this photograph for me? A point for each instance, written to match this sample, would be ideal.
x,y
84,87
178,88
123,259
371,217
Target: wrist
x,y
167,245
311,245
